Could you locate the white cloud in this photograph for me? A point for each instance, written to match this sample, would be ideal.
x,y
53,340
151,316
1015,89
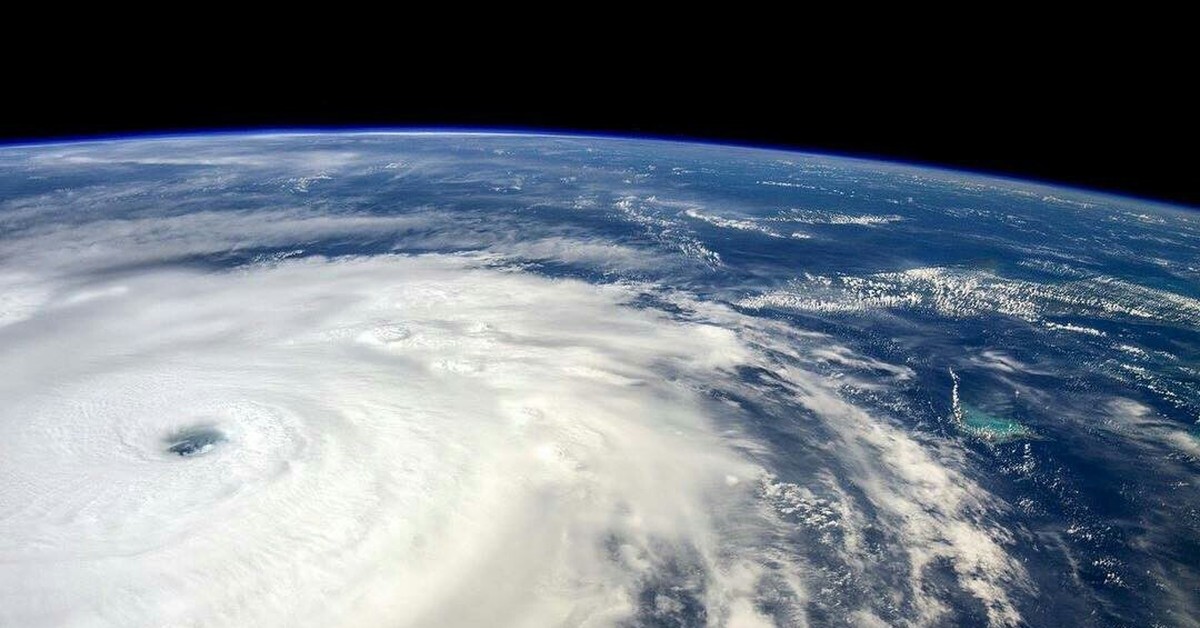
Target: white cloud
x,y
961,293
407,432
113,243
403,433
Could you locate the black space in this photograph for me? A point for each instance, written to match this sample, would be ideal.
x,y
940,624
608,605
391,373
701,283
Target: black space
x,y
1088,120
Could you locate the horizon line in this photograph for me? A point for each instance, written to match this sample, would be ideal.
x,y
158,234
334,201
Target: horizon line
x,y
350,130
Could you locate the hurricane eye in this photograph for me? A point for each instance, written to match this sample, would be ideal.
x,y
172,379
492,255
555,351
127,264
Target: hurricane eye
x,y
194,441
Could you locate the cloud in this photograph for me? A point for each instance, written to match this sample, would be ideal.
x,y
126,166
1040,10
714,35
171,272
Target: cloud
x,y
401,434
115,243
440,439
962,293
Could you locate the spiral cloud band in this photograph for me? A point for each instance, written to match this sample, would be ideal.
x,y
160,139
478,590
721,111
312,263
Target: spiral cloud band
x,y
409,426
397,434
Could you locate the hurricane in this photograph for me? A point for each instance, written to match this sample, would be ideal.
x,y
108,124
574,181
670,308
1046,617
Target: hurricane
x,y
465,379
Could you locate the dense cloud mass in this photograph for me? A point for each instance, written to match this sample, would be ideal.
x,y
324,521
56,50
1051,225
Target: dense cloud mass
x,y
468,380
399,433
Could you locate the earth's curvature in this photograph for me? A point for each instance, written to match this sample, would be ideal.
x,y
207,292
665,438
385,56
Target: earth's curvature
x,y
372,379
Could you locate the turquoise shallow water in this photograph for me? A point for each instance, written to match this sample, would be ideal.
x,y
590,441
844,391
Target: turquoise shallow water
x,y
993,428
